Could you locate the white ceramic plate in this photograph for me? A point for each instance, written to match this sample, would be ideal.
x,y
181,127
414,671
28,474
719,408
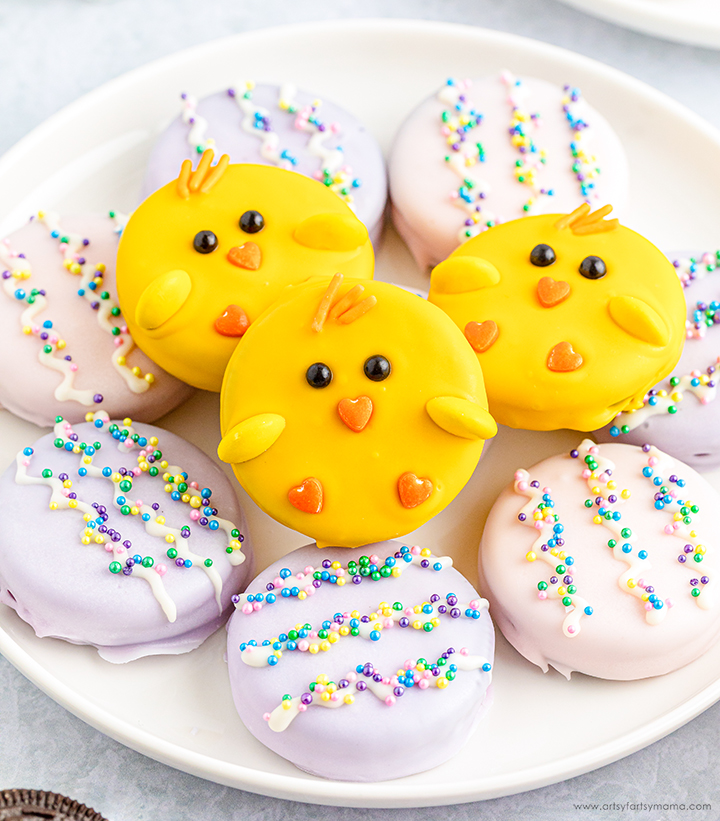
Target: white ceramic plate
x,y
178,709
687,21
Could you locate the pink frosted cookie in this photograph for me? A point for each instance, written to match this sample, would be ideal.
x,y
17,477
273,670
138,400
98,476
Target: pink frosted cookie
x,y
681,414
361,665
105,539
283,126
602,562
70,351
486,151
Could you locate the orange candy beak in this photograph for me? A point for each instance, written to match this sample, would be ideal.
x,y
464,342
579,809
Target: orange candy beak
x,y
248,256
355,413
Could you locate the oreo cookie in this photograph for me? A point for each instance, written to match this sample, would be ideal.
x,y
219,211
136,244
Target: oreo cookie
x,y
38,805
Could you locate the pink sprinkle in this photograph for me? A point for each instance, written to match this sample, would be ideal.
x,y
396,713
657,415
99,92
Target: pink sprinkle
x,y
136,471
303,645
35,329
423,684
386,680
160,569
705,400
648,606
374,559
652,461
669,603
351,677
335,696
388,623
475,604
695,373
310,590
53,340
194,485
415,550
151,448
142,454
277,581
313,634
65,492
538,525
519,475
266,716
522,486
464,651
390,700
408,611
570,629
409,664
547,490
247,608
117,342
194,515
594,450
318,175
109,547
119,550
25,462
454,195
73,367
309,570
586,473
542,595
302,707
335,128
319,688
668,529
641,583
257,605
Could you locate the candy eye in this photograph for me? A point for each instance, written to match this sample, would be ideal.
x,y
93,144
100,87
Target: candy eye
x,y
377,368
251,222
593,268
318,375
542,255
205,242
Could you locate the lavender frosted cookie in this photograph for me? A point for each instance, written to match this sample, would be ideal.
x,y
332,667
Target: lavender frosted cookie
x,y
394,641
282,126
122,536
681,414
481,152
71,352
603,561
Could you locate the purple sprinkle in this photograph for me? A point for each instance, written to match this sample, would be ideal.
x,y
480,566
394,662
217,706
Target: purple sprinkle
x,y
98,398
360,686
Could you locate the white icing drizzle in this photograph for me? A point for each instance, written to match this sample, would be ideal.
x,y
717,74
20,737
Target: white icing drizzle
x,y
465,158
703,386
270,651
155,525
523,129
256,122
551,555
601,484
89,284
584,162
198,125
332,695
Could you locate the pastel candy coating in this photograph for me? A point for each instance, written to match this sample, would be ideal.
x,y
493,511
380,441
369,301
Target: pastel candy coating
x,y
433,208
67,589
176,299
624,637
683,422
571,359
367,740
354,459
278,136
39,386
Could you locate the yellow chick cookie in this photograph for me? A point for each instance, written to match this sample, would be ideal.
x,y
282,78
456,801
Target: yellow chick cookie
x,y
353,412
203,257
573,317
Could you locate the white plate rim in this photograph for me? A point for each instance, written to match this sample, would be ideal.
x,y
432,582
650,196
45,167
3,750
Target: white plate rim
x,y
383,794
660,19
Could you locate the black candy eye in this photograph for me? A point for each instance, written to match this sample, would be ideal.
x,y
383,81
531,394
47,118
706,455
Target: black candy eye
x,y
251,222
377,368
205,242
542,255
318,375
593,268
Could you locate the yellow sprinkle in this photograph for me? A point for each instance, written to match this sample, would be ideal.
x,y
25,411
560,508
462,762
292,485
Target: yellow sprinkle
x,y
168,488
530,556
417,624
121,360
127,421
597,520
322,678
340,582
612,484
185,497
85,540
426,552
99,539
163,464
313,648
395,572
100,267
325,646
325,696
53,505
631,583
302,595
160,520
153,440
286,705
625,494
349,699
87,460
442,682
344,630
116,477
196,501
27,330
134,510
72,503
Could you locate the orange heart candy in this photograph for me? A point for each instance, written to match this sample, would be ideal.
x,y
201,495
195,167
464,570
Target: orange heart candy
x,y
355,413
563,359
552,292
247,256
413,490
481,335
308,496
233,322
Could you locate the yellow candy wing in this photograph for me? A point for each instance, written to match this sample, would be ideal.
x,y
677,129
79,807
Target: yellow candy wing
x,y
331,232
460,417
251,438
162,299
638,319
462,274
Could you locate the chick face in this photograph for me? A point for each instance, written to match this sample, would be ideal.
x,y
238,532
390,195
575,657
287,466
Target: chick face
x,y
573,317
203,257
353,413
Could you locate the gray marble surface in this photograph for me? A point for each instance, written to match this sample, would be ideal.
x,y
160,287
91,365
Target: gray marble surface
x,y
53,51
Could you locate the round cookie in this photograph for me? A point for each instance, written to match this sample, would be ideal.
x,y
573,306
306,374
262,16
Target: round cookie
x,y
680,414
105,539
205,255
482,152
282,126
69,350
392,637
367,413
573,317
602,562
38,805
